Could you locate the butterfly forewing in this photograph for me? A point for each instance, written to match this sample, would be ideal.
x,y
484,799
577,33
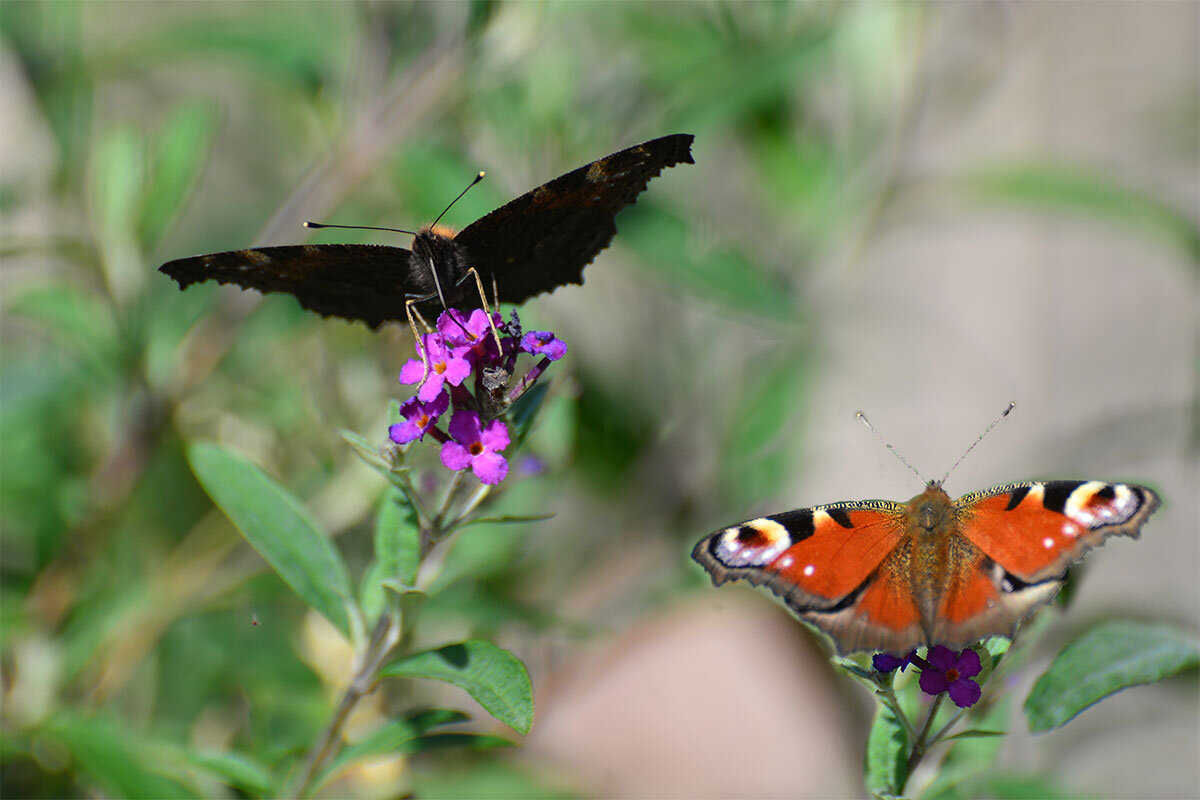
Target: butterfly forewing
x,y
354,281
545,237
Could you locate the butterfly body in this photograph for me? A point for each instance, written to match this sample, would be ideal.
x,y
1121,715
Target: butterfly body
x,y
884,576
533,244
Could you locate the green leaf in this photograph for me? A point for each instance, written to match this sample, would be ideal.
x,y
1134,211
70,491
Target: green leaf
x,y
397,539
523,412
114,759
723,276
493,676
973,734
179,152
1104,660
396,736
278,527
368,451
887,754
1093,194
236,770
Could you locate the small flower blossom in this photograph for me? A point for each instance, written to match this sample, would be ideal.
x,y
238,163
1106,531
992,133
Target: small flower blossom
x,y
418,418
952,672
476,446
446,365
470,332
886,662
544,343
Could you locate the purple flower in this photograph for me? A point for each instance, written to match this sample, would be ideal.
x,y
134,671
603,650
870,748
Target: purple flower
x,y
476,447
418,418
446,365
544,343
886,662
459,332
950,671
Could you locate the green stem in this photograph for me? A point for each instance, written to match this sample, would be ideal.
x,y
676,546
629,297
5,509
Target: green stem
x,y
921,744
385,635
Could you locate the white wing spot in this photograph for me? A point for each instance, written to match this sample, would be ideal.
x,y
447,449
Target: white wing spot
x,y
809,570
1070,530
1048,542
786,562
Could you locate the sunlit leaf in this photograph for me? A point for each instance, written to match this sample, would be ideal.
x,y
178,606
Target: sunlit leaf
x,y
493,676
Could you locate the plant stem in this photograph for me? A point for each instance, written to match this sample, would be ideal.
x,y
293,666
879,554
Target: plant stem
x,y
921,745
385,635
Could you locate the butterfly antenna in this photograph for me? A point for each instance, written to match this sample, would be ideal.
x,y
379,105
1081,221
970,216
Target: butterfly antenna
x,y
863,419
478,178
986,430
317,225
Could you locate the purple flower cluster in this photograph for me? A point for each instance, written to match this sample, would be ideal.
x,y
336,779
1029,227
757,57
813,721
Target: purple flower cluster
x,y
462,347
942,670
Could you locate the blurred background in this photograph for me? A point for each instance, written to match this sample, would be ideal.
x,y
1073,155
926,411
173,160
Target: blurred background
x,y
919,211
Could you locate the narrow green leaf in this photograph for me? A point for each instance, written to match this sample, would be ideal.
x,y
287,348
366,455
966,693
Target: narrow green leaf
x,y
509,519
113,759
236,770
276,525
393,737
493,676
367,450
180,150
1104,660
525,410
887,754
1093,194
973,734
397,539
452,741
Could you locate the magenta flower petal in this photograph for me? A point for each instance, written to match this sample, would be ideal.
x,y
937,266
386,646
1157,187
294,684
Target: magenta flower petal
x,y
544,343
968,664
942,657
947,671
412,371
490,468
419,417
455,456
932,681
464,427
495,436
965,692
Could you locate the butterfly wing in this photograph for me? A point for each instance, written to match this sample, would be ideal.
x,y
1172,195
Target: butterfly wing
x,y
355,281
1016,544
544,238
840,567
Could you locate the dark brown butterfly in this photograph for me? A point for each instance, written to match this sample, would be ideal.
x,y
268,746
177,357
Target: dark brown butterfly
x,y
534,244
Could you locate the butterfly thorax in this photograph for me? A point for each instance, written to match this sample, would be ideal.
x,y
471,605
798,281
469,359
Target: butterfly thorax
x,y
937,555
435,249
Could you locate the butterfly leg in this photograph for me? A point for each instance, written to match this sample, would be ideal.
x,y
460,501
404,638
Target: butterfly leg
x,y
483,299
414,315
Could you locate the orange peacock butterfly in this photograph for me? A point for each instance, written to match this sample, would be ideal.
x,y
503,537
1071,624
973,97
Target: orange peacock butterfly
x,y
883,576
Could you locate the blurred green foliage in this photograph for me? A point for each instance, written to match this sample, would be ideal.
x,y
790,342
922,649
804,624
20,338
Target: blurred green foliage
x,y
146,650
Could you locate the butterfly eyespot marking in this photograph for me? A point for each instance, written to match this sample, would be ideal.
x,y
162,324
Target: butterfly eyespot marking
x,y
753,543
1095,504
